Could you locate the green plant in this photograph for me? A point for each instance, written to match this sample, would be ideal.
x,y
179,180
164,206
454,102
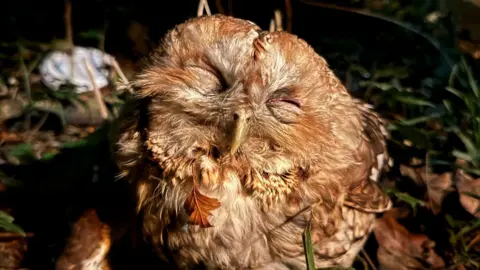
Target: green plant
x,y
6,223
463,118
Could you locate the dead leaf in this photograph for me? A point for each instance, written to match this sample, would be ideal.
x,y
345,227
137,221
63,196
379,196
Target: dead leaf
x,y
198,206
401,250
474,241
10,108
467,186
90,240
438,185
10,137
470,48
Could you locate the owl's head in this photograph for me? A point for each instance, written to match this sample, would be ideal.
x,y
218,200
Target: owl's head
x,y
220,92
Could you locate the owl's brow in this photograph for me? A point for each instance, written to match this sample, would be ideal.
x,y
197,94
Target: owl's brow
x,y
261,32
214,71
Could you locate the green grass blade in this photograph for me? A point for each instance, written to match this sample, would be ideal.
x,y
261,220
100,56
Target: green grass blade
x,y
6,223
453,74
471,80
462,155
421,119
415,101
469,145
455,92
308,248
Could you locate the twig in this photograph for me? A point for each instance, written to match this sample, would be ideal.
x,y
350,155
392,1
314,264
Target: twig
x,y
271,28
278,20
26,76
37,127
119,71
6,235
106,24
363,261
230,7
68,23
474,241
69,33
427,179
98,94
203,6
40,123
368,260
288,9
28,90
219,5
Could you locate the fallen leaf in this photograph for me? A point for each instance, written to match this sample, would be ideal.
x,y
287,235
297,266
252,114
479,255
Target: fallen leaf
x,y
10,137
469,190
401,250
10,108
474,241
199,208
470,48
437,185
89,241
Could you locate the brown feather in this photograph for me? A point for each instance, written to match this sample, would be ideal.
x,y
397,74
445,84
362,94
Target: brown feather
x,y
312,154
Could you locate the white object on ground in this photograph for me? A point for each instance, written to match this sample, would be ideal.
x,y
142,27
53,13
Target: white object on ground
x,y
56,69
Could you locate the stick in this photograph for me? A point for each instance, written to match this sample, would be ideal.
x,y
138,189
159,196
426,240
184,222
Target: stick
x,y
203,6
271,28
220,8
365,254
119,71
68,23
98,94
230,7
69,33
5,235
26,77
278,20
288,7
39,125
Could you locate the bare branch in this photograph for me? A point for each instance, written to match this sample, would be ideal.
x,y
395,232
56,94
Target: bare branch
x,y
203,6
98,94
288,8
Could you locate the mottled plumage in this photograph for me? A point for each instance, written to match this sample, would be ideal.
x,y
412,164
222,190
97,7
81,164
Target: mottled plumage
x,y
257,121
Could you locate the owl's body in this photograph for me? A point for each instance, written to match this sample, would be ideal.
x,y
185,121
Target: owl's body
x,y
241,140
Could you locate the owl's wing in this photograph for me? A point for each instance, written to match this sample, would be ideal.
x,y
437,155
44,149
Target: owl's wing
x,y
365,194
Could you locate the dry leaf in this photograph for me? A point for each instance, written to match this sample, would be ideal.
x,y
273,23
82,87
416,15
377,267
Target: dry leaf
x,y
466,183
470,48
89,241
198,206
10,137
438,185
401,250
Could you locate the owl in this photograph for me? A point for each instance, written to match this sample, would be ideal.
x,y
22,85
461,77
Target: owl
x,y
238,140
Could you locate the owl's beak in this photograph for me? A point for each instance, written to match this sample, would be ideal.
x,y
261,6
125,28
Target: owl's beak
x,y
240,118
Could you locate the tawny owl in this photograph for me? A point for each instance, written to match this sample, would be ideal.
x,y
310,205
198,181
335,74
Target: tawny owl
x,y
240,140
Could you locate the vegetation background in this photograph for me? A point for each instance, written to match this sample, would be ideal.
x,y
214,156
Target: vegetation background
x,y
417,62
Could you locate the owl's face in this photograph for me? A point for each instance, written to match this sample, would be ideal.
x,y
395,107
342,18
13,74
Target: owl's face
x,y
224,92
